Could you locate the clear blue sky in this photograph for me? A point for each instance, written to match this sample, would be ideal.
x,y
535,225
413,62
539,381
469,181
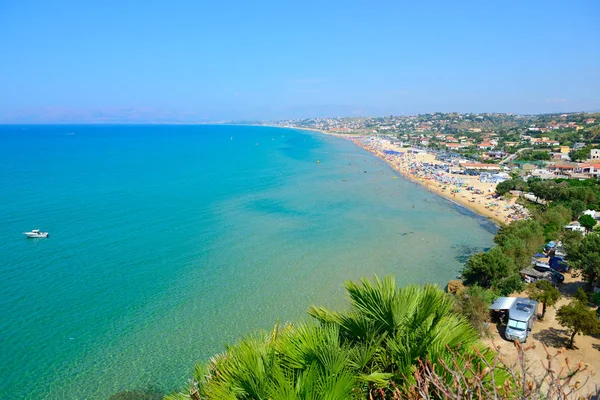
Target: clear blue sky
x,y
276,59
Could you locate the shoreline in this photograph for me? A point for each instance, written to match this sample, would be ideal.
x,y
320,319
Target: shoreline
x,y
491,215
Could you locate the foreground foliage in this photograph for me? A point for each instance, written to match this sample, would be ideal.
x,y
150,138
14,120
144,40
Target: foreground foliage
x,y
473,303
369,350
558,380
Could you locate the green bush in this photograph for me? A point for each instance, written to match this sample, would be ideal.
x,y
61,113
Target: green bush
x,y
581,295
511,284
595,298
473,304
488,267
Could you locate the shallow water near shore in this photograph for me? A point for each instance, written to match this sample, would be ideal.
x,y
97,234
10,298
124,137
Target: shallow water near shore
x,y
166,242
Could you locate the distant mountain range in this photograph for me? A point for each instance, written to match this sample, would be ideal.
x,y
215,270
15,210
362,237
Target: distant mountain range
x,y
150,115
99,115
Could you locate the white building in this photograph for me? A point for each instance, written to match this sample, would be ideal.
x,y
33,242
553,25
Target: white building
x,y
591,213
575,227
591,170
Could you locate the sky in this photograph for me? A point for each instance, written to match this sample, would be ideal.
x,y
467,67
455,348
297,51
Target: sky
x,y
84,61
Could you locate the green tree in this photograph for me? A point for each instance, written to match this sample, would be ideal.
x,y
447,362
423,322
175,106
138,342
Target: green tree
x,y
586,257
509,284
578,318
587,221
505,187
581,295
553,221
541,155
489,267
577,207
511,184
473,303
520,240
581,154
571,241
544,292
595,298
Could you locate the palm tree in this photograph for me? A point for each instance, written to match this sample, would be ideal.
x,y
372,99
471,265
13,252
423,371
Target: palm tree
x,y
296,362
380,341
405,324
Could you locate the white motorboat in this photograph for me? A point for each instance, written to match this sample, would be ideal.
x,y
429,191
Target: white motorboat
x,y
36,233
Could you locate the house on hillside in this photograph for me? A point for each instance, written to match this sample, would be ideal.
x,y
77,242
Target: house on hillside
x,y
548,142
562,169
565,149
590,170
541,173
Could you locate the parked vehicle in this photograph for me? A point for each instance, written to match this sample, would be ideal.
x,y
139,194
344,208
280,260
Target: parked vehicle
x,y
542,267
521,317
559,264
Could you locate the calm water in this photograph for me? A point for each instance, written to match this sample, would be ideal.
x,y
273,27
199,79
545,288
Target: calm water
x,y
169,241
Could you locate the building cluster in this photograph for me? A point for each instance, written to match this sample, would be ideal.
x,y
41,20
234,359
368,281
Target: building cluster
x,y
547,146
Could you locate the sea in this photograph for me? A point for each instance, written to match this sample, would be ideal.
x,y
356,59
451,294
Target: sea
x,y
167,242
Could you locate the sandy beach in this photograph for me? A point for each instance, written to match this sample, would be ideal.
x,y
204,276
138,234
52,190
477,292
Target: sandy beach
x,y
420,168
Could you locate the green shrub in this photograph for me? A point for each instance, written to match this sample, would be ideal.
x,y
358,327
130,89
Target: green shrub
x,y
581,295
510,284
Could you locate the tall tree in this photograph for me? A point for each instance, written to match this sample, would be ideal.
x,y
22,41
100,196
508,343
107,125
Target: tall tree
x,y
488,267
577,207
544,292
578,318
586,257
520,240
581,154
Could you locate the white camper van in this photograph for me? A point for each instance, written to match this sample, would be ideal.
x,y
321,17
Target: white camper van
x,y
521,316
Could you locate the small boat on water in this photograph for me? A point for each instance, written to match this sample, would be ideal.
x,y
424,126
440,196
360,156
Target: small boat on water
x,y
36,233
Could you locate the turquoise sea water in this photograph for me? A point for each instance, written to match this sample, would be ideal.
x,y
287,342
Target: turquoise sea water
x,y
169,241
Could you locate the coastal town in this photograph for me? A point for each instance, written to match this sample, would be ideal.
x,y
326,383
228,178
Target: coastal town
x,y
547,146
